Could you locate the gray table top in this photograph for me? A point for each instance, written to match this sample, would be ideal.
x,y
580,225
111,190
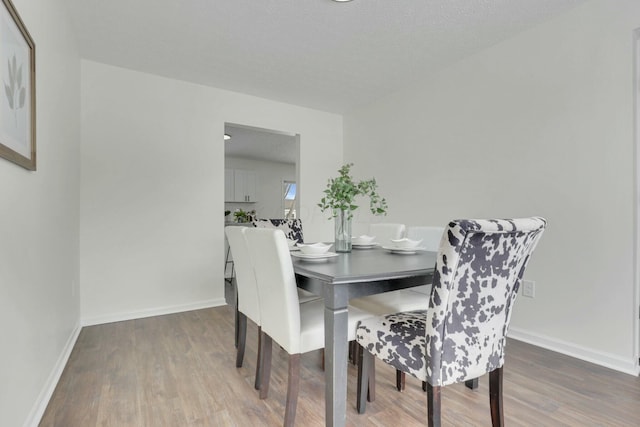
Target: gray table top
x,y
365,265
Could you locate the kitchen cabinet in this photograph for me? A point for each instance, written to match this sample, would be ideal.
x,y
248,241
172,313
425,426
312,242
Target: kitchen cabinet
x,y
239,185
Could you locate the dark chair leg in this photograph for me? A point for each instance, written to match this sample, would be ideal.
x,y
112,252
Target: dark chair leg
x,y
433,405
364,370
400,380
472,384
495,397
424,386
293,387
242,338
259,360
371,391
236,320
265,370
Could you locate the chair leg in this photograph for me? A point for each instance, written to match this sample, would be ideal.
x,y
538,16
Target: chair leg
x,y
365,359
259,361
293,387
400,380
265,370
371,391
495,397
433,405
236,320
242,338
472,384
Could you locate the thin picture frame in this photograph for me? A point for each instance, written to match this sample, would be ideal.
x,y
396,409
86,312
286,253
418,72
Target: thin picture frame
x,y
18,93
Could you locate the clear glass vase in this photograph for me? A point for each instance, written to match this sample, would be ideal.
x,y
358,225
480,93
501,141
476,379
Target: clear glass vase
x,y
342,230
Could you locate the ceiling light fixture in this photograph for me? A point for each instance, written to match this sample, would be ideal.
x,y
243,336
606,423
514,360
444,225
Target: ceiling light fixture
x,y
227,137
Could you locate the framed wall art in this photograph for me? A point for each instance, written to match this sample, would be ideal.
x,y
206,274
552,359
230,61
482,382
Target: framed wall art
x,y
18,94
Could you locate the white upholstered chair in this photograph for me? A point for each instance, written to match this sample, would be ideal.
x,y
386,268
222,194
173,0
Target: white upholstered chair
x,y
462,334
292,229
394,301
247,304
385,232
430,237
297,328
388,302
247,301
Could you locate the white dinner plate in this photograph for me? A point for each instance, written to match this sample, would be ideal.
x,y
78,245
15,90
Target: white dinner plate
x,y
404,251
314,257
364,246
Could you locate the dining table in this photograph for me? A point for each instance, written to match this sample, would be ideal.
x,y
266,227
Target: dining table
x,y
349,275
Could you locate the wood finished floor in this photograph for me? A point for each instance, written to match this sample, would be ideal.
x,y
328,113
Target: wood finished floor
x,y
179,370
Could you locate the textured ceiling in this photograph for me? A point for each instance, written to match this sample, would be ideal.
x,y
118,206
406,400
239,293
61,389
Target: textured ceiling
x,y
315,53
260,144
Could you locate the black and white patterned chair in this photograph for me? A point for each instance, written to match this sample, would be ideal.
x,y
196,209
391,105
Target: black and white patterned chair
x,y
461,336
292,228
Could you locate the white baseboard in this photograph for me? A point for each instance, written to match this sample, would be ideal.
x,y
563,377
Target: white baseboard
x,y
158,311
628,366
50,385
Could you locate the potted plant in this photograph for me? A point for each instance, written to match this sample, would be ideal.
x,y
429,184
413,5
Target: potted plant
x,y
340,197
242,216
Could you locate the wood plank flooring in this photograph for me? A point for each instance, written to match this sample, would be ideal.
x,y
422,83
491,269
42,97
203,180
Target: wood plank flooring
x,y
179,370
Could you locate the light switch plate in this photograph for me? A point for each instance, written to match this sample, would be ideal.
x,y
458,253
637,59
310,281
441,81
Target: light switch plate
x,y
528,288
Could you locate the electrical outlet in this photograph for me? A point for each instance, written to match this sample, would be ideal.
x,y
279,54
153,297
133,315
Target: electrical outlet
x,y
528,288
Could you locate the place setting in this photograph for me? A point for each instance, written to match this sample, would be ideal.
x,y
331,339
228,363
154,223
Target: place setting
x,y
404,246
364,242
314,252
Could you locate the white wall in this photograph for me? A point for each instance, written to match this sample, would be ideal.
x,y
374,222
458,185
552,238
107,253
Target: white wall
x,y
152,195
39,296
541,124
269,177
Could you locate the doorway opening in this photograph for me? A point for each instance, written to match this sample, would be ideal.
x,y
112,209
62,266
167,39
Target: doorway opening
x,y
257,162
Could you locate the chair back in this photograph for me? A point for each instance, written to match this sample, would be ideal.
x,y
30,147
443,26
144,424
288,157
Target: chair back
x,y
248,302
478,272
277,289
386,232
292,228
430,236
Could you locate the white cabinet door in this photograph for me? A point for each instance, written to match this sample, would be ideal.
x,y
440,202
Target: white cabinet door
x,y
240,178
229,187
250,186
244,185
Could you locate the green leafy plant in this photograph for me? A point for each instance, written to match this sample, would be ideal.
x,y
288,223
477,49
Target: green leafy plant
x,y
243,216
341,193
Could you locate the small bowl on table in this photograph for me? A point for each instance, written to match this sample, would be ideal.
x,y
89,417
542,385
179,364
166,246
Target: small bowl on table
x,y
363,240
405,243
314,248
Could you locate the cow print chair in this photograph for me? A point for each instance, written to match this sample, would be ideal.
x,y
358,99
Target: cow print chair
x,y
292,228
461,336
